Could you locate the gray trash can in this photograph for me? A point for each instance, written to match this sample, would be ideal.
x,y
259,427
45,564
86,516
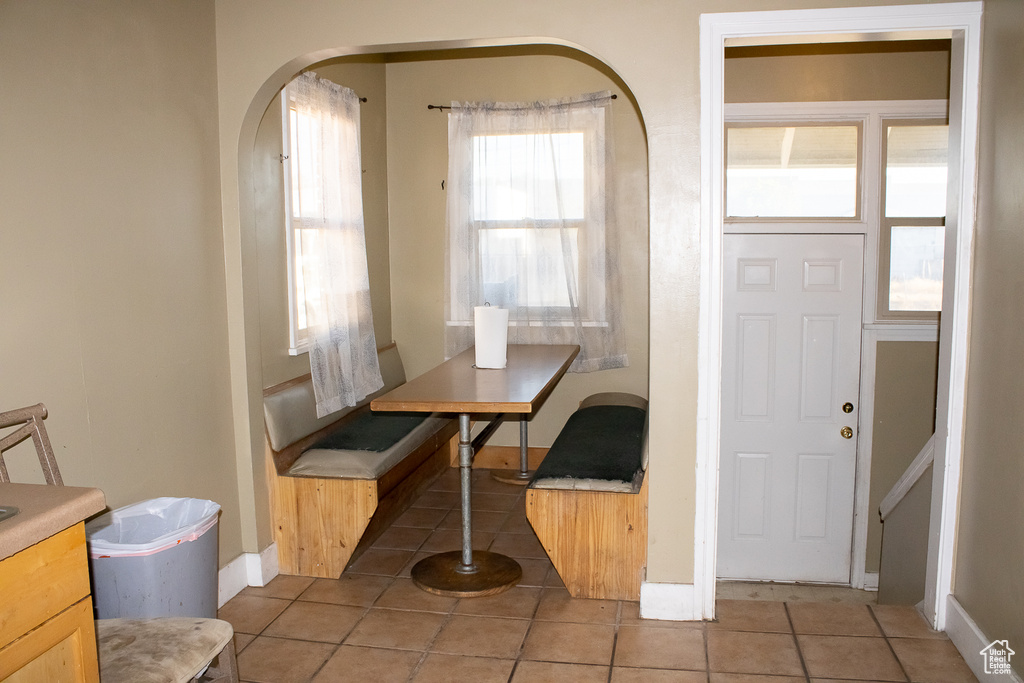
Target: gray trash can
x,y
157,558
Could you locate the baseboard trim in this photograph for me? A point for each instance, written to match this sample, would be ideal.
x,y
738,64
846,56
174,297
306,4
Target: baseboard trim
x,y
670,602
248,569
970,641
262,567
231,579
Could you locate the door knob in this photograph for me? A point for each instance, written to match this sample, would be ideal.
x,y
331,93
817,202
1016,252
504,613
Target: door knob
x,y
847,407
846,433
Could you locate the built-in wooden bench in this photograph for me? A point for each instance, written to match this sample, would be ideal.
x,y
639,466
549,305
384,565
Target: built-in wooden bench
x,y
336,483
588,500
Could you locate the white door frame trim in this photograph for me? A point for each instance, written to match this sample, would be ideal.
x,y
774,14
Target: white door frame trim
x,y
961,21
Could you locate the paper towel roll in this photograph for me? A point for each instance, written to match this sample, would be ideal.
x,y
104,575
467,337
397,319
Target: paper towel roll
x,y
491,329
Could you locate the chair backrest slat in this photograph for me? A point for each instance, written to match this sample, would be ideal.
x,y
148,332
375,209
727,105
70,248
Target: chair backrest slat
x,y
30,423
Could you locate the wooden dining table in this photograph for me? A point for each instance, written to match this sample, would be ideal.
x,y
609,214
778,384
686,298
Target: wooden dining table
x,y
458,386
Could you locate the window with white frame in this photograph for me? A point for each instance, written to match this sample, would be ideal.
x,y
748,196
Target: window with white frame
x,y
912,227
529,211
529,217
328,280
313,214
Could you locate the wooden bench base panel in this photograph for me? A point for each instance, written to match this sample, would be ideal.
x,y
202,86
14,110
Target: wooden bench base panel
x,y
399,498
318,522
597,541
321,524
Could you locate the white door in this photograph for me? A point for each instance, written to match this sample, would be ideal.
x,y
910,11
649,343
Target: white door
x,y
791,360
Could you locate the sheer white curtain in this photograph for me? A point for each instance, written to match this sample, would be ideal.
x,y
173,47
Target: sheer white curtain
x,y
330,247
531,225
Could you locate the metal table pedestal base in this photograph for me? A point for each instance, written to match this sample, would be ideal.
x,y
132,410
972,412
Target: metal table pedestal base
x,y
444,574
518,477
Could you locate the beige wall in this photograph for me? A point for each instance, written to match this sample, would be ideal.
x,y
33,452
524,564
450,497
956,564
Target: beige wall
x,y
911,70
904,414
364,75
904,562
111,254
418,162
990,538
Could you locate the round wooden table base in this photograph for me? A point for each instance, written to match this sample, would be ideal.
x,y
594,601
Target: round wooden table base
x,y
443,574
517,477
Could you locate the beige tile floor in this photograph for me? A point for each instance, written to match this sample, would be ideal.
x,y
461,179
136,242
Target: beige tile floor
x,y
373,624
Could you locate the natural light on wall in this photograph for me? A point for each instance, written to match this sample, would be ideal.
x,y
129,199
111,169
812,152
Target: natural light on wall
x,y
804,171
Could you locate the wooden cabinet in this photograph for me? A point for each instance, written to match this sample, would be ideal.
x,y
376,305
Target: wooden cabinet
x,y
47,632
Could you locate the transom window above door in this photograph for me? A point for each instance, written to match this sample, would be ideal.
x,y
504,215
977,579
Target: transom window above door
x,y
792,171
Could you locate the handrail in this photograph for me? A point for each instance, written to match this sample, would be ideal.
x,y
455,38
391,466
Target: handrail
x,y
903,485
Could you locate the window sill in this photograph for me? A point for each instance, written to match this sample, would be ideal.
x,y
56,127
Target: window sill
x,y
903,331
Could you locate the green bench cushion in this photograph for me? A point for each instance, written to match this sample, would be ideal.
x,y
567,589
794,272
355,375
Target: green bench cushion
x,y
372,432
599,448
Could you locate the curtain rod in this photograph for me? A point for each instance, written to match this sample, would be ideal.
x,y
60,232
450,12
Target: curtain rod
x,y
315,74
444,106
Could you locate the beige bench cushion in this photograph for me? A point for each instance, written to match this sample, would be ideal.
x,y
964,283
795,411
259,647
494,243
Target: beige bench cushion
x,y
614,398
574,484
158,650
290,414
330,463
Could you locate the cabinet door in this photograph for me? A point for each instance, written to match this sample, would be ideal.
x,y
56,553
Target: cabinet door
x,y
62,650
47,631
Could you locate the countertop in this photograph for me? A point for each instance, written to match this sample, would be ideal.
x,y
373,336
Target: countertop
x,y
44,511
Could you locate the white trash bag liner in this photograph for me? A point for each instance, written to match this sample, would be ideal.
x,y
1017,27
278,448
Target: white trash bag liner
x,y
150,526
